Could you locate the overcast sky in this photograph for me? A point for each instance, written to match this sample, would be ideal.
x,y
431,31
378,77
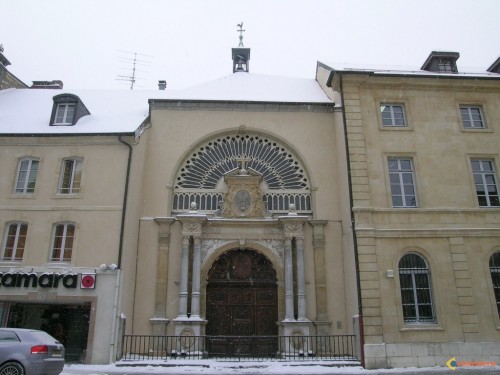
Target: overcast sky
x,y
186,42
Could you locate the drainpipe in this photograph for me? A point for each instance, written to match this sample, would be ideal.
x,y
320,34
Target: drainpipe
x,y
125,196
353,224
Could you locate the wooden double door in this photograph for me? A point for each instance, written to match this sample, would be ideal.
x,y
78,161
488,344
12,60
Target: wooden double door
x,y
242,308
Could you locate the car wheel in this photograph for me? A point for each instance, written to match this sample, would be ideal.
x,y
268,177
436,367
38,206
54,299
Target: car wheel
x,y
12,368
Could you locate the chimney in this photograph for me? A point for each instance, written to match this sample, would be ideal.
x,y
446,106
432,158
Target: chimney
x,y
55,84
162,84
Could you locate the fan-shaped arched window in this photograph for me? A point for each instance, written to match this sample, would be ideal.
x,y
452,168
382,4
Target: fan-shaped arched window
x,y
495,277
416,291
201,177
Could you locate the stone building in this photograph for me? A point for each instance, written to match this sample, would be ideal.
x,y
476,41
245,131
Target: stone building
x,y
424,151
258,205
7,79
222,210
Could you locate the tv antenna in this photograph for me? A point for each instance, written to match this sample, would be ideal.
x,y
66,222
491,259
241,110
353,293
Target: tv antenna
x,y
133,59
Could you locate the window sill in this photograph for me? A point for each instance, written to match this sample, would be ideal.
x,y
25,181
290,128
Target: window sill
x,y
68,196
23,195
421,327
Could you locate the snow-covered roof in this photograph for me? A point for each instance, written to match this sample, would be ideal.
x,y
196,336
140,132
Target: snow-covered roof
x,y
251,87
405,71
28,111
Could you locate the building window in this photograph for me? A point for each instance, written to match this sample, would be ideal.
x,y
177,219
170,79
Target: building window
x,y
393,115
472,117
402,182
67,110
201,176
62,242
486,183
65,114
446,66
416,295
26,176
14,242
495,277
71,176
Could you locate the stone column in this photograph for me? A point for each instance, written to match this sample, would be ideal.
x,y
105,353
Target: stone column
x,y
183,287
192,232
195,295
301,283
289,310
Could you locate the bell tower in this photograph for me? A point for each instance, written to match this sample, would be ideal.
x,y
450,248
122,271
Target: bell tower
x,y
241,55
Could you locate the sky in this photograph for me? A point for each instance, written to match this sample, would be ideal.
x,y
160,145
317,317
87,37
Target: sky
x,y
89,44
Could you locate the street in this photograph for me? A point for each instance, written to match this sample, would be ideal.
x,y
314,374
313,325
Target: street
x,y
261,368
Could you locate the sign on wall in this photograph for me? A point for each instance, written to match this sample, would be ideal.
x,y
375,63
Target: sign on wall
x,y
47,280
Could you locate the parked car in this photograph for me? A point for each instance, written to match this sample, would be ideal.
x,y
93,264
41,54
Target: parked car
x,y
29,352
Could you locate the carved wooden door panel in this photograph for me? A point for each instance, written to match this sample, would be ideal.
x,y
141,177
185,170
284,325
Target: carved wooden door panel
x,y
242,306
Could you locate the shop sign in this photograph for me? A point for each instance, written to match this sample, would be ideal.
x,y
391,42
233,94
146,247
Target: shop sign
x,y
45,280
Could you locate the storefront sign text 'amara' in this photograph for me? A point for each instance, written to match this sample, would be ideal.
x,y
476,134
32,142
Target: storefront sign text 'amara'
x,y
44,280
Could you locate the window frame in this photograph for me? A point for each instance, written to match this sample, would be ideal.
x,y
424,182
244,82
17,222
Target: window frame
x,y
482,173
393,124
470,119
70,182
67,118
401,183
495,281
25,189
58,254
18,238
417,306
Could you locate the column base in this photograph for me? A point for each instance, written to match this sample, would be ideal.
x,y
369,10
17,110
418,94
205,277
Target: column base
x,y
296,341
188,332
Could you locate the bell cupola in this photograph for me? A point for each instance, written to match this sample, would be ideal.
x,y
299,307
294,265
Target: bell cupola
x,y
241,55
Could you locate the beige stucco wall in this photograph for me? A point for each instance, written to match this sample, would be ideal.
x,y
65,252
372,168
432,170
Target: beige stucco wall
x,y
96,212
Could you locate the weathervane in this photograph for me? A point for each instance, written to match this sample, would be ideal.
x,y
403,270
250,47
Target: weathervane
x,y
240,25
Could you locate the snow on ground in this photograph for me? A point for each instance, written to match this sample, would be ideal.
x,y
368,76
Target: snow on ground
x,y
211,367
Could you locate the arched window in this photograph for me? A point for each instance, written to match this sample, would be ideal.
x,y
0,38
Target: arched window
x,y
495,277
63,237
416,291
201,176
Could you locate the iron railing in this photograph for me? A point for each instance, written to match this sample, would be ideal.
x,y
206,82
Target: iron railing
x,y
254,348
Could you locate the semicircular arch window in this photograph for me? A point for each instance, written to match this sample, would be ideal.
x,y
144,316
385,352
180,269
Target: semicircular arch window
x,y
201,176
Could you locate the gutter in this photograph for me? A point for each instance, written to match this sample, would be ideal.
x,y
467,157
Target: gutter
x,y
125,196
353,220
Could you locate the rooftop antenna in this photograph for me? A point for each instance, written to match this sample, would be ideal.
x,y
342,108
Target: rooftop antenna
x,y
241,31
134,61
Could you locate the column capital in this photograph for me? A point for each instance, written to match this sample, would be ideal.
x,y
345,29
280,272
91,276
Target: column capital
x,y
192,224
293,225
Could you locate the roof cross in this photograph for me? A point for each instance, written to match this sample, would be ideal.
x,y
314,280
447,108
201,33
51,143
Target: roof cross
x,y
241,31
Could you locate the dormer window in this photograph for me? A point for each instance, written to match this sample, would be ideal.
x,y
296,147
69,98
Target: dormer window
x,y
67,110
65,113
441,62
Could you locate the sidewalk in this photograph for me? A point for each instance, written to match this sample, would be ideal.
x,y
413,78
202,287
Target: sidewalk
x,y
211,367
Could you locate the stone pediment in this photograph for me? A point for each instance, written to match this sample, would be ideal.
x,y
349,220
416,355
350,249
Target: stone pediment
x,y
243,198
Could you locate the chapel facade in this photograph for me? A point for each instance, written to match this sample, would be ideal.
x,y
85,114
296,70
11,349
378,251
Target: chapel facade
x,y
360,203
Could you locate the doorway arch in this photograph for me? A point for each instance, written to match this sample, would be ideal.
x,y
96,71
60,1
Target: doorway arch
x,y
242,300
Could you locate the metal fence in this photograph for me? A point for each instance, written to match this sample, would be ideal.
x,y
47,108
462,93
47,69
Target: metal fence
x,y
239,348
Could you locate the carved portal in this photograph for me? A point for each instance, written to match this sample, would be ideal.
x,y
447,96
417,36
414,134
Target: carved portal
x,y
243,198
